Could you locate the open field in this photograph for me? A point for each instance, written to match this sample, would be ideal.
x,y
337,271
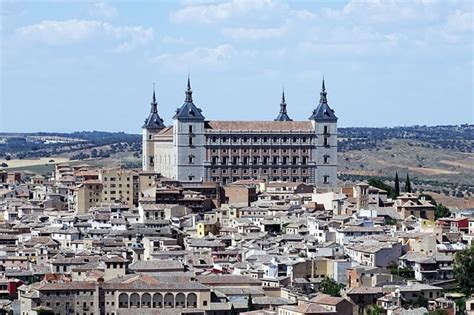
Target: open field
x,y
24,163
399,155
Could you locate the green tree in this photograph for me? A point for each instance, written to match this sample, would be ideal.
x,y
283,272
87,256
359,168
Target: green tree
x,y
460,306
390,221
421,301
250,303
464,270
441,211
397,186
331,287
408,184
232,310
375,182
374,310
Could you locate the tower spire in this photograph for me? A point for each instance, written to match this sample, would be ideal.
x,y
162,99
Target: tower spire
x,y
283,116
283,103
189,92
323,99
154,104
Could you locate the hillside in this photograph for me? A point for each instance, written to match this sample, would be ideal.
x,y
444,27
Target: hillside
x,y
439,159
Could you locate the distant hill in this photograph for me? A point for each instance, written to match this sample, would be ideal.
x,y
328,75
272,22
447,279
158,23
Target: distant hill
x,y
75,146
438,158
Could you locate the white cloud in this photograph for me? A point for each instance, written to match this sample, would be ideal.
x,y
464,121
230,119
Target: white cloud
x,y
385,11
303,14
197,56
78,31
174,40
103,9
460,21
213,12
351,41
256,33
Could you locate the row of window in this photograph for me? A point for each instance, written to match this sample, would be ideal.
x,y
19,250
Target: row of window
x,y
245,139
256,160
113,179
114,185
225,180
264,171
275,151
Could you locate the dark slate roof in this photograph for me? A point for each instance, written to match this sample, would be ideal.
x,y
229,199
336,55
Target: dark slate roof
x,y
188,111
323,112
283,116
154,120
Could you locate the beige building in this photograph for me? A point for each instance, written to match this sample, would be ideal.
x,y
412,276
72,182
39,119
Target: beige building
x,y
140,293
119,185
408,205
87,195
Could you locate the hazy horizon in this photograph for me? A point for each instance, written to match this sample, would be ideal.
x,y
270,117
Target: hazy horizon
x,y
90,65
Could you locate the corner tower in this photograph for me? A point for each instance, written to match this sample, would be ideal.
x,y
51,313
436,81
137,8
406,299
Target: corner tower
x,y
324,123
153,124
189,140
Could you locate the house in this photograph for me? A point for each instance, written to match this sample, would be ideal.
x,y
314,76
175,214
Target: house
x,y
362,297
374,253
409,204
428,268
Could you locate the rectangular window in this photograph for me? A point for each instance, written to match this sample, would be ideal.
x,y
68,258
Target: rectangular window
x,y
190,129
326,142
326,130
190,141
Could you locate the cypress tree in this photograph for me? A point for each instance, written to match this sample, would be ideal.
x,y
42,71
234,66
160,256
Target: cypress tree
x,y
408,184
397,185
249,303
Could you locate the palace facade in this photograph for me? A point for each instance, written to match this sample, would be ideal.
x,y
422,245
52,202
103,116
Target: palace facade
x,y
196,149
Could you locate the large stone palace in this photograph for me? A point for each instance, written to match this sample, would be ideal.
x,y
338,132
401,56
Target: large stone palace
x,y
195,149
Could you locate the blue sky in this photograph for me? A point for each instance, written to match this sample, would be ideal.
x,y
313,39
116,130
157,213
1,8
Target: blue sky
x,y
78,65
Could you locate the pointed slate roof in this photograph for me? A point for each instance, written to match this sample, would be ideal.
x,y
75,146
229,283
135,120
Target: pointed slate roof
x,y
283,116
188,111
154,120
323,112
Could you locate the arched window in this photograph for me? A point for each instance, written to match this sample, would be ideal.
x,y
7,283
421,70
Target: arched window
x,y
191,300
123,300
180,300
157,300
134,300
169,300
146,300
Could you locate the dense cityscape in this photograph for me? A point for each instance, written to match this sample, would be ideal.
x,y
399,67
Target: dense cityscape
x,y
224,157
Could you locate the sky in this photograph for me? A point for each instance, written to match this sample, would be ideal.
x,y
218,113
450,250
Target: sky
x,y
86,65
